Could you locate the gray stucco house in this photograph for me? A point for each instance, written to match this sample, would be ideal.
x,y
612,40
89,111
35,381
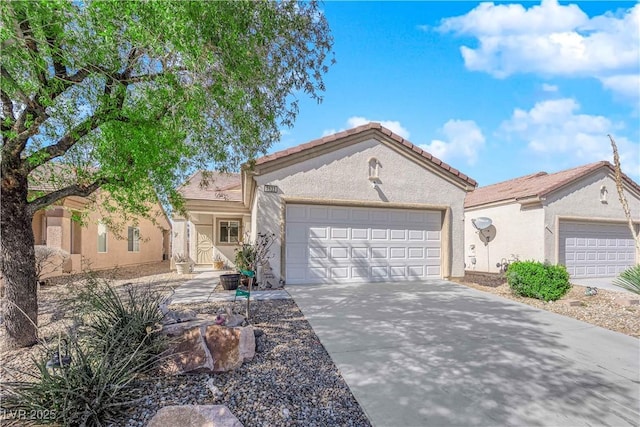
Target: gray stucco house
x,y
360,205
572,217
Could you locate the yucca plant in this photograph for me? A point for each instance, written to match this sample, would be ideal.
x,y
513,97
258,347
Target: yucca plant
x,y
117,341
629,279
90,391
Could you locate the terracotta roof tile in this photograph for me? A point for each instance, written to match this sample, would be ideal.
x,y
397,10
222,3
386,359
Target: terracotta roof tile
x,y
360,129
221,186
537,184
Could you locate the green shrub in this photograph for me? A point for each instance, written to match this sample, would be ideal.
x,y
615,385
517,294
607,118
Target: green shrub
x,y
117,340
537,280
629,279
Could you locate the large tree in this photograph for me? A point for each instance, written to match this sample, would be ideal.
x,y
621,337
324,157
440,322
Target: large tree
x,y
127,96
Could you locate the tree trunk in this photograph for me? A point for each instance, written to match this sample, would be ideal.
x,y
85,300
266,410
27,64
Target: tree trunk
x,y
18,262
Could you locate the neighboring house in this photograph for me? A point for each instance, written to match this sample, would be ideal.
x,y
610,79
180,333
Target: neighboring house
x,y
92,245
360,205
572,217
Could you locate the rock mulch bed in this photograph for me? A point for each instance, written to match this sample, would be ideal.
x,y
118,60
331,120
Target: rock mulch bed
x,y
600,310
291,380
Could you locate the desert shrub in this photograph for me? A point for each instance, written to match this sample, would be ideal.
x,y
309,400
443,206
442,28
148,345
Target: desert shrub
x,y
537,280
629,279
92,390
116,341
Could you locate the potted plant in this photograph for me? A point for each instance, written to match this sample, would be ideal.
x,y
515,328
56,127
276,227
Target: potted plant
x,y
182,263
218,262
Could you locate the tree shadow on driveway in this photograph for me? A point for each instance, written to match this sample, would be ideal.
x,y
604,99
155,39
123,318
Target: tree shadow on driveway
x,y
437,353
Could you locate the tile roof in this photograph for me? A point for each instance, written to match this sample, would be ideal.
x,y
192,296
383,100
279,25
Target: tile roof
x,y
218,186
535,185
358,130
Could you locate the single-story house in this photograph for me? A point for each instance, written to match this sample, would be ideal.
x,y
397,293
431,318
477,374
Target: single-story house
x,y
360,205
572,217
92,244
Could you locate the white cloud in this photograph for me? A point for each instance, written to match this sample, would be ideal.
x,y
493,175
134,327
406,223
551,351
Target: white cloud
x,y
550,39
626,85
549,88
355,121
464,140
556,128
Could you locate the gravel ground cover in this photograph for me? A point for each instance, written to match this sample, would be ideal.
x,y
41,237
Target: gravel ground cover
x,y
600,310
291,381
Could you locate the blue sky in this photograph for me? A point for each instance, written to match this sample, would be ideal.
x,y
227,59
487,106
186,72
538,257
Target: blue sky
x,y
495,90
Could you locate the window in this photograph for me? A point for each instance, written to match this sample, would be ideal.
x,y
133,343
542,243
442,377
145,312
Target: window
x,y
102,237
228,231
133,239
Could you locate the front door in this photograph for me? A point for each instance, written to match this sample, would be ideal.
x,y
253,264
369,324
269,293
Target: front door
x,y
204,244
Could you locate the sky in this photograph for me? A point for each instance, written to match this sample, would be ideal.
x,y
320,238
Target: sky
x,y
496,90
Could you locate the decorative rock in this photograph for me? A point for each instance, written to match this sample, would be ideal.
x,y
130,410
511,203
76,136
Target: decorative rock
x,y
203,346
194,416
229,347
189,353
571,302
627,301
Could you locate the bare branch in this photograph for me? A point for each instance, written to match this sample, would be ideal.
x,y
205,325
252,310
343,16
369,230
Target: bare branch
x,y
621,196
58,149
72,190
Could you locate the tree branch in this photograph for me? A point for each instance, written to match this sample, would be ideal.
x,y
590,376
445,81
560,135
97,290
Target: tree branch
x,y
58,149
7,111
71,190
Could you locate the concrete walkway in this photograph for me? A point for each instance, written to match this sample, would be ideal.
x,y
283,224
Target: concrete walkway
x,y
441,354
199,289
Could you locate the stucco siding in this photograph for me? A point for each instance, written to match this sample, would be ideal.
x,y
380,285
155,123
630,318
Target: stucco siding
x,y
343,175
515,231
80,240
582,201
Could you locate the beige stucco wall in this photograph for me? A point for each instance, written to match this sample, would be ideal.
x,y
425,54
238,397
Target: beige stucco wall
x,y
82,242
185,235
516,232
532,233
582,201
342,175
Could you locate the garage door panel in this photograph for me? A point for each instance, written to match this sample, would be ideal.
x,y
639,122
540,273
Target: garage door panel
x,y
360,234
595,249
318,232
346,244
416,235
379,253
339,233
399,235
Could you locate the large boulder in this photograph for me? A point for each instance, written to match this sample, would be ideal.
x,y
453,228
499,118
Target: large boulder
x,y
194,416
230,347
203,346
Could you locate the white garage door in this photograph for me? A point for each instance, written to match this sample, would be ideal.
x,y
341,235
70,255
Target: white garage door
x,y
595,249
332,244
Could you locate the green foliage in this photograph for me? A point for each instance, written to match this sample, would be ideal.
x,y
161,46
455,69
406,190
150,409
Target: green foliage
x,y
133,95
629,279
537,280
117,342
245,258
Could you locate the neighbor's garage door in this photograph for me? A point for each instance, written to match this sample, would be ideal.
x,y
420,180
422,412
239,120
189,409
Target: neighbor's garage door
x,y
331,244
591,249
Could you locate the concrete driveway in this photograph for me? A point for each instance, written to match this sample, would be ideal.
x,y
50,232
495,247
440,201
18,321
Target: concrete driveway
x,y
441,354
